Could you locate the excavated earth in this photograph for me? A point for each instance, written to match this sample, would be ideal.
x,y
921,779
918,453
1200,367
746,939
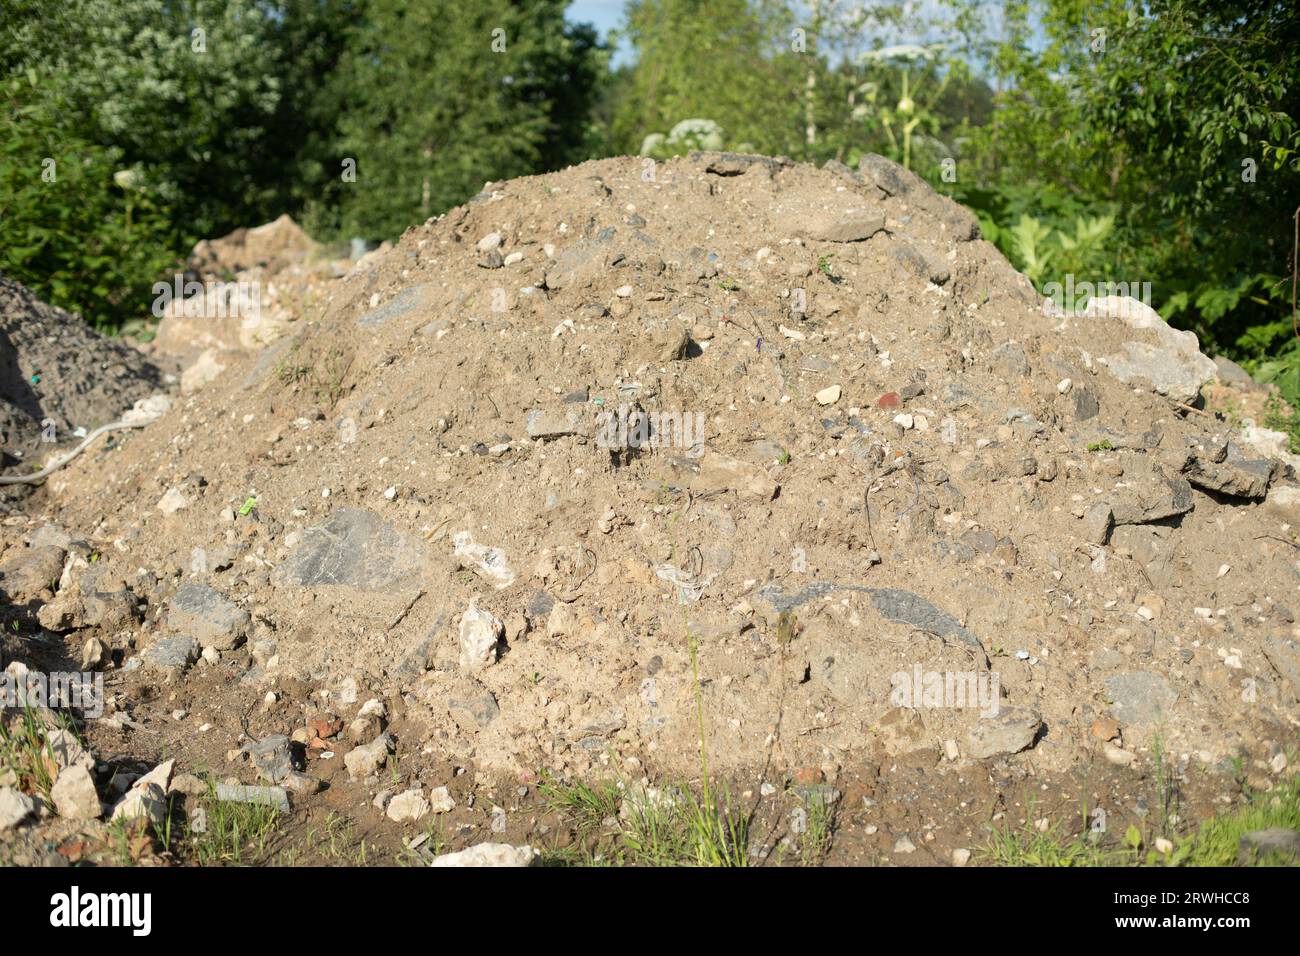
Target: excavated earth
x,y
853,459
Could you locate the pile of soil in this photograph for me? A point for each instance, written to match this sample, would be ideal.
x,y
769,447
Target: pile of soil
x,y
58,375
603,451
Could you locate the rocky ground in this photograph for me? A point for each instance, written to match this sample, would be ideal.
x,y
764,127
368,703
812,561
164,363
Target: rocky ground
x,y
59,379
640,489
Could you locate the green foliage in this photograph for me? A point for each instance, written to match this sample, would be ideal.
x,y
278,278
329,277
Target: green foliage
x,y
80,239
1180,119
435,103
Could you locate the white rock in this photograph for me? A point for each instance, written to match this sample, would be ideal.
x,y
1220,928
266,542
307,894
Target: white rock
x,y
147,797
960,856
489,242
792,333
1116,755
408,806
74,794
490,562
829,395
15,807
904,845
480,633
488,854
441,801
904,420
172,502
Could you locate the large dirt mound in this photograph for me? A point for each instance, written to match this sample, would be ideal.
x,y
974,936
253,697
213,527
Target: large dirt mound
x,y
58,375
803,422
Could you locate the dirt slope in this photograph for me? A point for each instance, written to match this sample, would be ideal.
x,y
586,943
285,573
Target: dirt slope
x,y
868,451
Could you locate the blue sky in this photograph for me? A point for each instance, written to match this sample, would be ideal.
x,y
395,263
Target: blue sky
x,y
603,14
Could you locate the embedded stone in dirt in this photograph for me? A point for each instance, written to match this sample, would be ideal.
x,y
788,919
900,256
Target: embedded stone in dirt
x,y
1140,698
355,548
172,654
488,854
206,615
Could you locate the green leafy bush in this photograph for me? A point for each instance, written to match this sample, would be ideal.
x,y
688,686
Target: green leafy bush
x,y
68,229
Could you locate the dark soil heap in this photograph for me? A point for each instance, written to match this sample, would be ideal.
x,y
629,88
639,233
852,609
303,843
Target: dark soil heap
x,y
55,369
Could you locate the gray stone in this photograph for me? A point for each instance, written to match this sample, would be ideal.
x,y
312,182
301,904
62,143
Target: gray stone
x,y
1147,498
848,225
50,535
275,797
1085,402
736,164
1237,477
894,604
1139,698
473,706
1284,654
908,608
921,263
896,181
1010,731
550,424
1234,374
354,548
404,302
271,757
1098,520
1008,360
172,654
26,572
1174,366
208,616
539,605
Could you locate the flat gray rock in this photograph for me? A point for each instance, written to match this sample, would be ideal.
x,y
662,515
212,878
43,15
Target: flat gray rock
x,y
172,653
894,604
271,757
208,616
406,301
354,548
275,797
1238,477
1284,654
1009,731
849,225
1150,498
1140,698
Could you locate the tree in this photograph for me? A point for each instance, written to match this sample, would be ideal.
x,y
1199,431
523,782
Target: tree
x,y
439,97
719,60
